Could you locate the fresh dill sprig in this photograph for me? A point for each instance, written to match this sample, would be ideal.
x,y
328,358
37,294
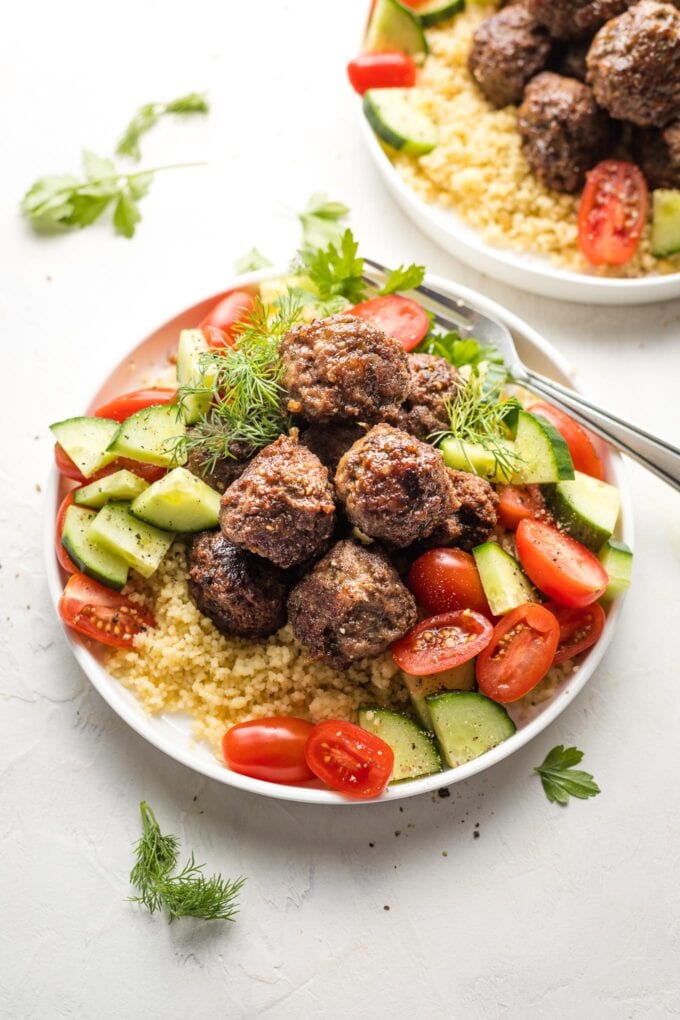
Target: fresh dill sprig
x,y
478,417
188,893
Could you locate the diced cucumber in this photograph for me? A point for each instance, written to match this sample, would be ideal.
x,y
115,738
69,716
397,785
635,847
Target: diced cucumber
x,y
460,678
665,222
272,290
415,752
504,582
151,436
118,486
585,507
190,373
473,458
87,554
617,560
178,502
394,117
395,27
86,441
467,725
544,455
139,544
434,11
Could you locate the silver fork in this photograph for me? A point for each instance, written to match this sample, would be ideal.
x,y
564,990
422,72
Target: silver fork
x,y
653,453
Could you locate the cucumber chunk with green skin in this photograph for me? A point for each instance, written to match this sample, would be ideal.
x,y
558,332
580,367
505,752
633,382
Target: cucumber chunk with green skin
x,y
178,502
89,555
471,457
121,485
152,436
587,509
434,11
415,752
543,454
395,119
87,442
665,222
395,27
617,559
140,545
460,678
467,725
505,584
190,373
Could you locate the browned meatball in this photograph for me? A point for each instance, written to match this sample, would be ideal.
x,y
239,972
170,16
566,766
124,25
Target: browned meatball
x,y
282,505
563,131
475,516
508,49
330,442
394,487
658,154
351,606
571,19
240,593
343,369
218,472
433,387
634,65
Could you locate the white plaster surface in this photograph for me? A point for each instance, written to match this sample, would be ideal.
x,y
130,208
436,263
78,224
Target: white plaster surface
x,y
549,913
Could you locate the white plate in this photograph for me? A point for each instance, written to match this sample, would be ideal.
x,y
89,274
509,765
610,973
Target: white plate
x,y
528,272
171,734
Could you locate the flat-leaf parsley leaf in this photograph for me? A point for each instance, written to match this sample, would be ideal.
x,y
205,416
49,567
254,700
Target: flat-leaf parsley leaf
x,y
148,115
336,271
321,222
403,278
561,780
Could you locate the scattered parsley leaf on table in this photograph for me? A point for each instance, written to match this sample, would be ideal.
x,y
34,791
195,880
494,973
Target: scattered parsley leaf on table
x,y
403,278
251,261
187,893
321,222
147,116
561,780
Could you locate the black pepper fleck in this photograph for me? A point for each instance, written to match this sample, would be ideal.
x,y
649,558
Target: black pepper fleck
x,y
386,907
475,834
444,792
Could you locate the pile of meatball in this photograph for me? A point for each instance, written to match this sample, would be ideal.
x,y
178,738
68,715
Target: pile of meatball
x,y
319,527
587,75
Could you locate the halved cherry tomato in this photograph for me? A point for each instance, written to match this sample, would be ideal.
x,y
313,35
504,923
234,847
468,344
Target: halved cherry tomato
x,y
579,629
272,749
102,614
400,317
559,565
227,313
519,501
65,561
390,69
612,213
443,580
216,338
66,467
520,653
442,642
349,759
580,443
126,404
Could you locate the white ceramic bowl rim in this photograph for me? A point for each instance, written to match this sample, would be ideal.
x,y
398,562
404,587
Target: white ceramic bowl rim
x,y
129,709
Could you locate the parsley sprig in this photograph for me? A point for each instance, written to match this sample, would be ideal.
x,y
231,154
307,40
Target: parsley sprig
x,y
66,202
187,892
336,271
403,278
147,116
561,780
321,221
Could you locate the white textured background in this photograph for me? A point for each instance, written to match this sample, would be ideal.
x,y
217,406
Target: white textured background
x,y
549,913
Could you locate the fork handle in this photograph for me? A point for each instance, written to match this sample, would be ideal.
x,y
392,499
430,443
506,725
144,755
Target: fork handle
x,y
655,454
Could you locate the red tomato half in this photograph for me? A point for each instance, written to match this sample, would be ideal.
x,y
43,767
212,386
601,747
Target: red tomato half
x,y
349,759
559,565
442,642
443,580
216,338
227,313
65,561
102,614
390,69
579,629
66,467
612,213
271,749
517,502
400,317
122,407
580,443
519,654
